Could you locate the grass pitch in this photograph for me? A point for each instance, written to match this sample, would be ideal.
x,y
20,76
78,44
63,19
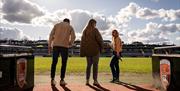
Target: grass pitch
x,y
78,65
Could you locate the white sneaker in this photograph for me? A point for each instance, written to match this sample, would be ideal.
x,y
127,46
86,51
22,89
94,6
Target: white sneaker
x,y
63,83
53,82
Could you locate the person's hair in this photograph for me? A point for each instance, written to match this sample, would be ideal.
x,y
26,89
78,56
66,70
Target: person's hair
x,y
90,26
117,34
66,20
91,23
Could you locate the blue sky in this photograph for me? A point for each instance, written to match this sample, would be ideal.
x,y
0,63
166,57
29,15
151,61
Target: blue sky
x,y
147,21
111,6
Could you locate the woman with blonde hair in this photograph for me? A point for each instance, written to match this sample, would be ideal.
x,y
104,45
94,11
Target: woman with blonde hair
x,y
91,46
117,49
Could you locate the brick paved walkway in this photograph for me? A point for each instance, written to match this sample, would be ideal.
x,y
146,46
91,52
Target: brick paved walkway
x,y
104,87
130,82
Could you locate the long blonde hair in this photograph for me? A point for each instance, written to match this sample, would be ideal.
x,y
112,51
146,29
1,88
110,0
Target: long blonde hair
x,y
114,36
116,33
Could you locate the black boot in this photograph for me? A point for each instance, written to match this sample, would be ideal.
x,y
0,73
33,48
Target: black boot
x,y
113,80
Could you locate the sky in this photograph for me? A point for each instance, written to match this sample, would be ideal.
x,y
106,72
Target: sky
x,y
147,21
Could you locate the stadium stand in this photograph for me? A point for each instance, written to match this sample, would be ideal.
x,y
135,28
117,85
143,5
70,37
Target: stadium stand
x,y
40,48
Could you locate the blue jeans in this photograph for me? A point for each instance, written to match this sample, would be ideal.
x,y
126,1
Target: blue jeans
x,y
64,56
114,64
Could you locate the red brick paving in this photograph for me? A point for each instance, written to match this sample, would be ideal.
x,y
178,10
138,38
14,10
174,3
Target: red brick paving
x,y
77,83
103,87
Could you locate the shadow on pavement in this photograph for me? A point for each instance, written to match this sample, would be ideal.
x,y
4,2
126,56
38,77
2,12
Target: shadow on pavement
x,y
54,88
133,87
102,88
65,88
98,88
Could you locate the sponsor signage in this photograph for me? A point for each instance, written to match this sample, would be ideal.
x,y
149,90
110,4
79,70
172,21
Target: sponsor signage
x,y
165,73
21,72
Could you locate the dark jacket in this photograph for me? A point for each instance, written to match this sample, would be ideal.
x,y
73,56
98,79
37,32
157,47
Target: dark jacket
x,y
91,43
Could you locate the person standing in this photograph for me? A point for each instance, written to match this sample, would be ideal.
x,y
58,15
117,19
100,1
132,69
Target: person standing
x,y
61,38
117,49
91,46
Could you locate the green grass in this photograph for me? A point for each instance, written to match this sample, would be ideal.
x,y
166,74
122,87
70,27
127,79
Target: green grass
x,y
78,65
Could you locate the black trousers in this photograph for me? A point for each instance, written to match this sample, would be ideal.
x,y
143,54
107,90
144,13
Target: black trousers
x,y
64,56
114,64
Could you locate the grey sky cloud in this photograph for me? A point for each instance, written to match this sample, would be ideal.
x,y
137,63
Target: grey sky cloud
x,y
12,33
21,11
147,13
79,19
178,38
133,9
157,39
154,33
24,11
155,0
169,27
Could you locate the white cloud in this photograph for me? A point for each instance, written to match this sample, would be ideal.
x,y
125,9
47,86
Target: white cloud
x,y
146,13
125,14
78,36
134,10
154,33
1,9
12,33
171,28
178,38
32,13
155,0
79,19
1,4
173,14
22,11
167,15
